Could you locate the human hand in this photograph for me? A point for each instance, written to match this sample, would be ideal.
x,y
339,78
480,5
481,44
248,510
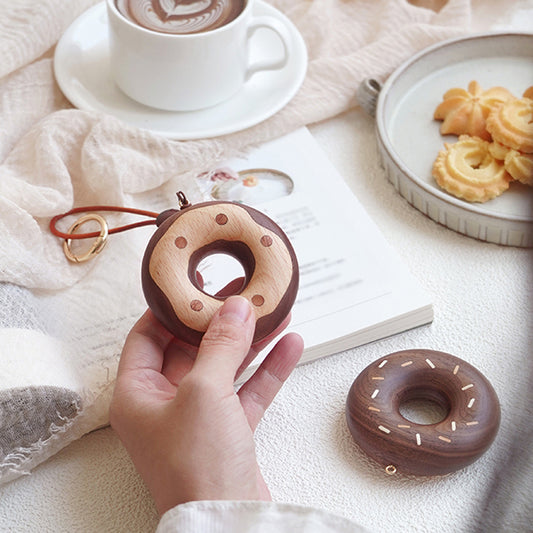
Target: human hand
x,y
175,409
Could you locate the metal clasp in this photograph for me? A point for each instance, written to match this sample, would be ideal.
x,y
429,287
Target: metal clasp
x,y
97,245
182,200
391,470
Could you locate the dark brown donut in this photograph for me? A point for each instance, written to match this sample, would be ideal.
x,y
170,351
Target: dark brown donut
x,y
184,238
377,426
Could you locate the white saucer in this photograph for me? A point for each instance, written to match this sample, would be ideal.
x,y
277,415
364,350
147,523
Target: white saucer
x,y
81,67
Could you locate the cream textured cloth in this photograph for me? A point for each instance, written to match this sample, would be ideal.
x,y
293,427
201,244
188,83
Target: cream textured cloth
x,y
62,325
54,157
251,517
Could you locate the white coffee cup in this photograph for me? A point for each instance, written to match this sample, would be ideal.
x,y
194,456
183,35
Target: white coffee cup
x,y
185,72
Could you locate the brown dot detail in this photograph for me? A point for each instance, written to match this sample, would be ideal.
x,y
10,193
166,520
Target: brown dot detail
x,y
221,219
258,300
266,240
197,305
180,242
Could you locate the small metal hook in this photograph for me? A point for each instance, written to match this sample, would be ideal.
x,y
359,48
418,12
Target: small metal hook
x,y
182,200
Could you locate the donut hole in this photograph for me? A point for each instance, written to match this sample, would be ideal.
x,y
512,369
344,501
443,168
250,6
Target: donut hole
x,y
222,269
424,406
220,274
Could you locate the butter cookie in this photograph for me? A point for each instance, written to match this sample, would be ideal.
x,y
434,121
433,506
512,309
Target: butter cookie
x,y
498,150
465,111
518,165
469,171
511,124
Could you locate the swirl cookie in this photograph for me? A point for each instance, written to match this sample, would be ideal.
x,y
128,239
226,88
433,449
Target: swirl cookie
x,y
518,165
511,124
466,111
498,150
469,171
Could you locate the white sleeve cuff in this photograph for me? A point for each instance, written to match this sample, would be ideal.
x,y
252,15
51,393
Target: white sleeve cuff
x,y
251,517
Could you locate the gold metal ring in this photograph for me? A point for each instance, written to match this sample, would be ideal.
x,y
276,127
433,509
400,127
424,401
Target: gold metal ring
x,y
391,470
97,245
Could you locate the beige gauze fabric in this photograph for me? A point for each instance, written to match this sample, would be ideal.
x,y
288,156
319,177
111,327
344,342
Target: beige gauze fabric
x,y
62,325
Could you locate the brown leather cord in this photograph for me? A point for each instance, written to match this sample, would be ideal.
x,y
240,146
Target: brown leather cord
x,y
153,216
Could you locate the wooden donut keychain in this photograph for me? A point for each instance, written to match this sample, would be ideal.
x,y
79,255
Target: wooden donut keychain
x,y
400,445
185,237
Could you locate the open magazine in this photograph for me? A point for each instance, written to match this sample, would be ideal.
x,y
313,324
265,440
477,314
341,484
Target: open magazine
x,y
354,288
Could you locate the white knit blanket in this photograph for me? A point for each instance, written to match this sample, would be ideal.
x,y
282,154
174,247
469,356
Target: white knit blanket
x,y
62,325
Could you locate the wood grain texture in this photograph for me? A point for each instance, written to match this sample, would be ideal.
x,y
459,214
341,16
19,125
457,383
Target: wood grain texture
x,y
185,238
377,426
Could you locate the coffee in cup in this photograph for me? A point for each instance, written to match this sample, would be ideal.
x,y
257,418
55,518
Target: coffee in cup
x,y
157,63
180,16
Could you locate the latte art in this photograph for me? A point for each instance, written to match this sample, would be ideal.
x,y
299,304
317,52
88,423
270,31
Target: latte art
x,y
180,16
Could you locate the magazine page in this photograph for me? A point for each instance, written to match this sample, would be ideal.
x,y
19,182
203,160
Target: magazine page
x,y
352,284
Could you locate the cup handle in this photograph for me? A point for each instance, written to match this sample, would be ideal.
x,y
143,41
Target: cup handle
x,y
282,32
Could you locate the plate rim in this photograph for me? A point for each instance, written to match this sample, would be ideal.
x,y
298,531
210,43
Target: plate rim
x,y
388,146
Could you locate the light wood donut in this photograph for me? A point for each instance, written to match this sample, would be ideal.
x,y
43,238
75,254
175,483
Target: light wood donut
x,y
186,237
377,426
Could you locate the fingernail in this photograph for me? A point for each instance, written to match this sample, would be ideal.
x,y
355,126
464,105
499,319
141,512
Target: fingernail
x,y
238,307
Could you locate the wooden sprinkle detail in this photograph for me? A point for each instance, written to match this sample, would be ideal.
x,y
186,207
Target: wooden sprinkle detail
x,y
445,439
382,364
403,426
455,370
180,242
469,386
407,363
471,402
371,408
197,305
454,425
375,393
266,241
384,429
258,300
378,378
418,439
221,219
430,363
474,423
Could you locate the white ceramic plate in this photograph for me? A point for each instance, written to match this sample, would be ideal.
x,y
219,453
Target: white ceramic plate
x,y
81,66
409,138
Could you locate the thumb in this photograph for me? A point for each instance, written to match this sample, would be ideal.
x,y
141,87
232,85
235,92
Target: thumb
x,y
227,340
